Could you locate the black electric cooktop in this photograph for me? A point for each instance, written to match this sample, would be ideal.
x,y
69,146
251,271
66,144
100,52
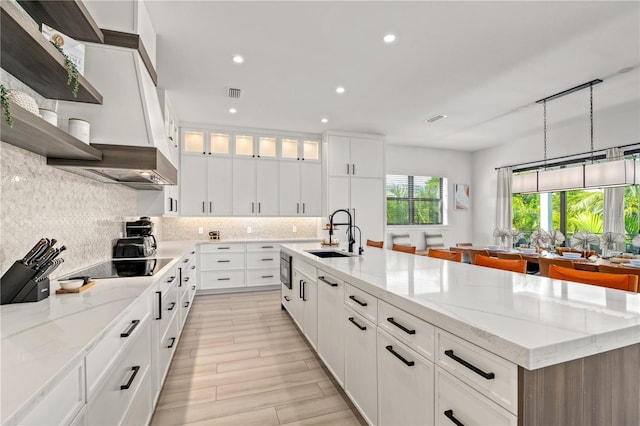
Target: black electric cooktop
x,y
124,268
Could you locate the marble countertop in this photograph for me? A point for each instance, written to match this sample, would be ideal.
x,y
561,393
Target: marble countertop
x,y
529,320
41,341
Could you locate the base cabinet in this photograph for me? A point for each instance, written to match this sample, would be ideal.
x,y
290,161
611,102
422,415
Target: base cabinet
x,y
330,323
405,384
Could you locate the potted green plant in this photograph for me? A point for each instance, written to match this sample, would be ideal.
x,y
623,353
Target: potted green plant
x,y
72,70
4,94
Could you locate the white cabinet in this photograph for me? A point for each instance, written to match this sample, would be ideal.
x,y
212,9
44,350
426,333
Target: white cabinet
x,y
360,369
355,180
304,303
300,186
405,384
222,266
330,323
255,187
207,185
219,191
159,203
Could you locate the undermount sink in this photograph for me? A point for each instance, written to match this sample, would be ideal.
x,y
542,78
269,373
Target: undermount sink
x,y
328,253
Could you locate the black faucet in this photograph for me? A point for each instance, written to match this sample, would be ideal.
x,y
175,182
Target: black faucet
x,y
350,226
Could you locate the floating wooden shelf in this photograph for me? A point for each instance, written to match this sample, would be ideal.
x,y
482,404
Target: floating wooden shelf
x,y
32,133
29,56
69,16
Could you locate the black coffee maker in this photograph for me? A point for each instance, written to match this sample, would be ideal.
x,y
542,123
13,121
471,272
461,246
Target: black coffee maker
x,y
142,227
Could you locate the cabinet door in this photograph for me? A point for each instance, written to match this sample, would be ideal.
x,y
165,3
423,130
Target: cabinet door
x,y
367,158
360,376
220,188
296,300
193,175
339,156
330,324
310,299
310,189
267,188
368,209
405,384
339,189
290,188
244,187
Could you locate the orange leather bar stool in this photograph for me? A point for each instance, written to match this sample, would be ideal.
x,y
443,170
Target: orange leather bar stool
x,y
545,262
445,255
405,249
504,264
372,243
475,252
616,281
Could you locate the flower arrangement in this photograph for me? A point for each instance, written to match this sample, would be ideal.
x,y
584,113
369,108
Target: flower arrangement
x,y
583,240
540,238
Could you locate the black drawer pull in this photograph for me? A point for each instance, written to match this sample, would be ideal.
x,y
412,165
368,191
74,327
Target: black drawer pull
x,y
471,367
130,329
267,276
185,261
224,261
173,305
133,376
186,304
224,279
159,293
193,287
400,326
173,341
193,267
287,298
171,279
361,327
186,279
267,246
323,279
224,248
357,301
450,416
400,357
267,260
193,252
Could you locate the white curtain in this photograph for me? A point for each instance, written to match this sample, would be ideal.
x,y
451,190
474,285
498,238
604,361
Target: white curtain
x,y
614,202
504,217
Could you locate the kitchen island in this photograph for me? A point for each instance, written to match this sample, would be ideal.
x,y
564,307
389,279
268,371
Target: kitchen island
x,y
570,352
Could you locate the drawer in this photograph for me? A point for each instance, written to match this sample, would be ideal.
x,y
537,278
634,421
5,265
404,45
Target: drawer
x,y
257,277
211,280
265,259
489,374
125,379
263,247
186,278
169,307
125,330
167,347
141,408
61,404
361,302
219,261
287,297
416,333
185,306
222,248
169,280
307,269
455,400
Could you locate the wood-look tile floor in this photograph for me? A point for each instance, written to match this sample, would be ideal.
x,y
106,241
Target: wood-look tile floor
x,y
241,361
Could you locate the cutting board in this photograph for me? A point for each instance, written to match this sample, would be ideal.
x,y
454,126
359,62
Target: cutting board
x,y
85,287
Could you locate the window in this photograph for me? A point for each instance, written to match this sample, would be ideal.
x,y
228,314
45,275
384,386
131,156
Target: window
x,y
415,200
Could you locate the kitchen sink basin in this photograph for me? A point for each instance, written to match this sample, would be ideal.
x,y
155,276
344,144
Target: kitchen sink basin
x,y
328,253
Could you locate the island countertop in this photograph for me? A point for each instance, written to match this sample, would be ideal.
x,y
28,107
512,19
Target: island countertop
x,y
529,320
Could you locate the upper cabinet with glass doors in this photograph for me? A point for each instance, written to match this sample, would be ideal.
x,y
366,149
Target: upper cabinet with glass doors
x,y
206,143
255,146
299,149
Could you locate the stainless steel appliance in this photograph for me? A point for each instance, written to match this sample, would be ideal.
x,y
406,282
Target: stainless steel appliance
x,y
285,269
134,247
142,227
124,268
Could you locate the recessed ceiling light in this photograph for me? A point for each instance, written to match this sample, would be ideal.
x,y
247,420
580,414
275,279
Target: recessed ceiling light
x,y
324,120
233,110
435,118
238,59
389,38
340,90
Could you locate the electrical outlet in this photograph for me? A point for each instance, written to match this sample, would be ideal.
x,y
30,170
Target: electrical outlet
x,y
294,229
248,229
121,235
201,230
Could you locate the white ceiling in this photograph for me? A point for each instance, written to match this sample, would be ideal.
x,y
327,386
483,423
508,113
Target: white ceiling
x,y
483,64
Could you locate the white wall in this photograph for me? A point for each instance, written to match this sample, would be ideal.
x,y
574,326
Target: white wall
x,y
453,165
612,127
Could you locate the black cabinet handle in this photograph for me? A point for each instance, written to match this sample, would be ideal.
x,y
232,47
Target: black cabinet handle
x,y
450,416
361,327
357,301
173,305
159,293
203,207
267,260
173,341
471,367
300,288
267,246
171,279
193,267
185,261
186,304
224,248
323,279
224,279
130,329
170,204
267,276
400,326
133,376
224,261
400,357
304,299
287,299
193,252
298,208
186,279
193,287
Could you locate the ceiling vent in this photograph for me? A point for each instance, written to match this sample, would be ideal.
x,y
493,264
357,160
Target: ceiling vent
x,y
435,118
233,93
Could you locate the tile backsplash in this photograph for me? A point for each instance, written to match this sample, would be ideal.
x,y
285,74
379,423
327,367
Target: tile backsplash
x,y
38,201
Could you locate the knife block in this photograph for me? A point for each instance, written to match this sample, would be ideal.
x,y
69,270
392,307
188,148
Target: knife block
x,y
17,285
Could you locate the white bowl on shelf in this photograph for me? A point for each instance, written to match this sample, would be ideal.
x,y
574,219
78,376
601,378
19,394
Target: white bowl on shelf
x,y
71,284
